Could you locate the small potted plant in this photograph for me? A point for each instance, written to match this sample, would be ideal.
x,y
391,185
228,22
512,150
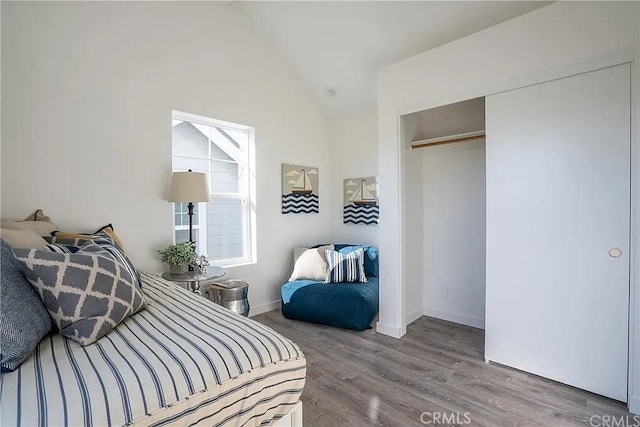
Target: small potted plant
x,y
200,263
182,256
179,257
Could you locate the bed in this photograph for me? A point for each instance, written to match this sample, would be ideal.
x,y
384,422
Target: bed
x,y
181,361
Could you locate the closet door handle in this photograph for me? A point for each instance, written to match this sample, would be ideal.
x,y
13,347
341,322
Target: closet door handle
x,y
615,252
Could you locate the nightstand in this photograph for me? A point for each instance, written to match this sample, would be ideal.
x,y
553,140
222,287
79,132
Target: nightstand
x,y
193,278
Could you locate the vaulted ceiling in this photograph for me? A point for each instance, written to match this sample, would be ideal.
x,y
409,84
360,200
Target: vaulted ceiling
x,y
337,47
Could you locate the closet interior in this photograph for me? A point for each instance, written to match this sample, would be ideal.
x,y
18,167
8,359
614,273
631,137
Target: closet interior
x,y
444,167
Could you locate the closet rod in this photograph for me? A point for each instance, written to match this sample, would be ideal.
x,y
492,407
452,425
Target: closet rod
x,y
462,137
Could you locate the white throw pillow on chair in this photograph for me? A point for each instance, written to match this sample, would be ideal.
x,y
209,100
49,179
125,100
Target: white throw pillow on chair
x,y
310,264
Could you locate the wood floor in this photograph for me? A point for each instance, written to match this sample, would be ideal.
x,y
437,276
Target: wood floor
x,y
365,378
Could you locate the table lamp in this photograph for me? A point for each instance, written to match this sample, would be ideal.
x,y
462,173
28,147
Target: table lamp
x,y
189,187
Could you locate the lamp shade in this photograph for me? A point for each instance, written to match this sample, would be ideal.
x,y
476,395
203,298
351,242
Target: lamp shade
x,y
189,187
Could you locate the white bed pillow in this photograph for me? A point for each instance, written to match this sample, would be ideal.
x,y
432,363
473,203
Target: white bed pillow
x,y
19,237
41,228
310,264
39,223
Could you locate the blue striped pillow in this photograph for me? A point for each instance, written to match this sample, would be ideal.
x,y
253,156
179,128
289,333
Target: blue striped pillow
x,y
60,248
110,246
346,268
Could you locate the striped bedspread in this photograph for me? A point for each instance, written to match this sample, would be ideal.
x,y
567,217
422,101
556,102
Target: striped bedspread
x,y
182,361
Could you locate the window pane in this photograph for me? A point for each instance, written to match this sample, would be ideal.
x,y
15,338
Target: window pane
x,y
182,236
225,147
224,177
218,153
241,137
225,224
189,140
182,214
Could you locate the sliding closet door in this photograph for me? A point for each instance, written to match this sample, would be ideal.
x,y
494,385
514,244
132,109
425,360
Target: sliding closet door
x,y
558,201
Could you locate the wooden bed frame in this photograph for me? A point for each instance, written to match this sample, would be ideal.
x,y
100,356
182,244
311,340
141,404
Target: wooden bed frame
x,y
292,419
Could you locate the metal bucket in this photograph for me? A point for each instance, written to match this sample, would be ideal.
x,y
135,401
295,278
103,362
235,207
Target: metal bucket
x,y
231,294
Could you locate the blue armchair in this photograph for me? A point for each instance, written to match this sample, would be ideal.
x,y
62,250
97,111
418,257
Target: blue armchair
x,y
345,305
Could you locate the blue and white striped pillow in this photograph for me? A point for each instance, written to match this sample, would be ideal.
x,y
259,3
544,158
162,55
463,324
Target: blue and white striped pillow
x,y
60,248
110,246
346,267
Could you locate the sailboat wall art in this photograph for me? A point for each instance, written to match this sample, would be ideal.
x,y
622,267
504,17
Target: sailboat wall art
x,y
299,189
361,201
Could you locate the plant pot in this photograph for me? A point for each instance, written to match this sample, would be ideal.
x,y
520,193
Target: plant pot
x,y
178,269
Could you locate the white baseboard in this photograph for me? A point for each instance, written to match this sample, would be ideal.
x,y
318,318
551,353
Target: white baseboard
x,y
389,330
263,308
450,316
634,404
414,315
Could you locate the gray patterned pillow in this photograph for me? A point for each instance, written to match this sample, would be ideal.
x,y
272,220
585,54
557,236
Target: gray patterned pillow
x,y
102,239
24,320
87,293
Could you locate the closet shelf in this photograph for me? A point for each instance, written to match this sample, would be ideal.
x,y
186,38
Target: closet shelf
x,y
461,137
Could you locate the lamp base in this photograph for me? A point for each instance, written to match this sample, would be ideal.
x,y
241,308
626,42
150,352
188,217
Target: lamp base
x,y
193,243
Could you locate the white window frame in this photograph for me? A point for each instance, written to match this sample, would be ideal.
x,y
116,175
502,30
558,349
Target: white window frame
x,y
247,197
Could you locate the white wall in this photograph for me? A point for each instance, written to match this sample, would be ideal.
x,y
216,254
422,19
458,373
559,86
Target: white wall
x,y
355,154
413,261
560,39
88,90
454,232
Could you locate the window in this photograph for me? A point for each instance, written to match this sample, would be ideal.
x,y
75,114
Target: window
x,y
224,228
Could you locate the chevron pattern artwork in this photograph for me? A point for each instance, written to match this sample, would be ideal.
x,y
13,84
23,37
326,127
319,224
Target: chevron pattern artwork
x,y
300,189
87,293
360,197
300,204
367,215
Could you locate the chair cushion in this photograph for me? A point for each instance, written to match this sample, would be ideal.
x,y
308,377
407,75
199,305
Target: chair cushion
x,y
24,320
345,305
